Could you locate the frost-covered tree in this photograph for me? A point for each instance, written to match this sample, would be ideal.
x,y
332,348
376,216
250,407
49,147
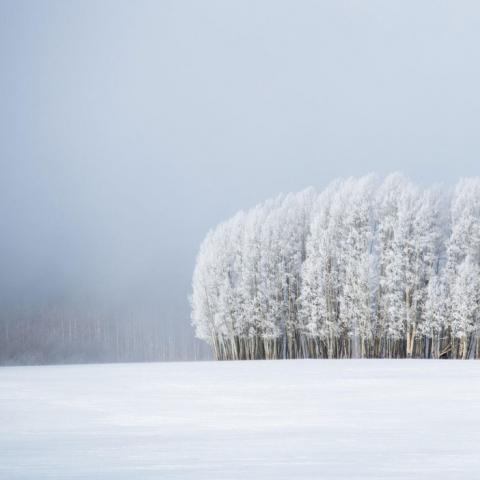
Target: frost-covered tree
x,y
463,257
395,198
356,257
318,299
434,316
465,302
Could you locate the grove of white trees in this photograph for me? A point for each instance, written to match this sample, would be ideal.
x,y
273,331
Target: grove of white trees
x,y
368,268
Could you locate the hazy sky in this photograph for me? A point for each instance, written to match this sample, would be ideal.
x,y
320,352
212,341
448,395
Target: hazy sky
x,y
128,129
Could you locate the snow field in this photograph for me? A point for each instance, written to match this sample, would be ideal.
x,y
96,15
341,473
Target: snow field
x,y
297,419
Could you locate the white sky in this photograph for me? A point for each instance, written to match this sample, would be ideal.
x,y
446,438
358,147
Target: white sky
x,y
128,129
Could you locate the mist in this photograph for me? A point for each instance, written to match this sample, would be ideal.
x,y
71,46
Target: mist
x,y
129,129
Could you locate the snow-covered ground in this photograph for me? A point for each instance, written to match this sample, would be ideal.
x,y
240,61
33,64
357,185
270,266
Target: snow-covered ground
x,y
242,420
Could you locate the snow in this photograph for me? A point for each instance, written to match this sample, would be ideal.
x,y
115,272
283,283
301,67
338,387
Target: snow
x,y
297,419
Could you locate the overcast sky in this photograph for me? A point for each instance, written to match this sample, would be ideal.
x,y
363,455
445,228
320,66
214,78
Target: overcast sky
x,y
128,129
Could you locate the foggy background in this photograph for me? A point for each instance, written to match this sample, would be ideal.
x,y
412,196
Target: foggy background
x,y
128,129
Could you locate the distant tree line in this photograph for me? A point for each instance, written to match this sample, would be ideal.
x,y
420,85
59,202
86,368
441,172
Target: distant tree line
x,y
365,269
65,331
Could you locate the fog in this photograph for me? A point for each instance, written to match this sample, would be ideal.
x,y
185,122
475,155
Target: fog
x,y
128,129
